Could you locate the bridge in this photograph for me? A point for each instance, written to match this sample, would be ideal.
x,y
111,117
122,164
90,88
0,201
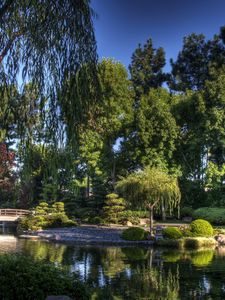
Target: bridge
x,y
12,215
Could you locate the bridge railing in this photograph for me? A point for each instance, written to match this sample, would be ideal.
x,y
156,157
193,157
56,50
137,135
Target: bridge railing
x,y
13,212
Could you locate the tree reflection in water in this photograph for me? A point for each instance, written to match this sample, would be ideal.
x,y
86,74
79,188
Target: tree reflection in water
x,y
136,273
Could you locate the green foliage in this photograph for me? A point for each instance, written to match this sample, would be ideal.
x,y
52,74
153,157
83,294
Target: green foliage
x,y
39,38
201,227
172,233
46,217
187,211
58,207
134,234
146,68
132,216
214,215
113,207
192,68
24,278
56,220
150,187
42,209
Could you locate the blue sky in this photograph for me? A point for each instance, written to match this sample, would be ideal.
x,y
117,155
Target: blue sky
x,y
123,24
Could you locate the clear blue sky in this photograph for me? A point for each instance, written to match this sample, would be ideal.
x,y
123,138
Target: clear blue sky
x,y
122,24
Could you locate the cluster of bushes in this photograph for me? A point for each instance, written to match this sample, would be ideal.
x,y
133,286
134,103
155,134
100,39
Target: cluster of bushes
x,y
198,234
46,216
197,228
214,215
23,278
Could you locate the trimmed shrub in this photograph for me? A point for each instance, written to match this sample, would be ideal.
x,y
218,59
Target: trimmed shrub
x,y
214,215
113,206
172,233
134,234
23,278
201,228
58,220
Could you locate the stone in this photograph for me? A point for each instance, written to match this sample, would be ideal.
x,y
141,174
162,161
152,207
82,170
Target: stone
x,y
220,239
144,221
129,223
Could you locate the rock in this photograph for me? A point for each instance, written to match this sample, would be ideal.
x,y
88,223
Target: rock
x,y
62,297
144,221
129,223
220,239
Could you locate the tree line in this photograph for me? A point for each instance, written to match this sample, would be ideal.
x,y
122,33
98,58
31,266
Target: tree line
x,y
111,121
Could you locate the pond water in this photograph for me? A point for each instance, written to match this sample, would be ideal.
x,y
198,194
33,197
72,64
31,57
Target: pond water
x,y
133,273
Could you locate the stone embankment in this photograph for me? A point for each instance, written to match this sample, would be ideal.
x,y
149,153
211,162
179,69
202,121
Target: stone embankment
x,y
84,234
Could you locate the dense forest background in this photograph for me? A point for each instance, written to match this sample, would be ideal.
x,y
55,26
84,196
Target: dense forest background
x,y
59,150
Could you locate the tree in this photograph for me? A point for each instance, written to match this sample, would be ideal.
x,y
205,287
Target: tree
x,y
52,45
150,188
194,61
97,156
153,135
7,178
146,68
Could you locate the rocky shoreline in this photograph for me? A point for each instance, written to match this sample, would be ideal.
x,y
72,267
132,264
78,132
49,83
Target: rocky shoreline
x,y
85,234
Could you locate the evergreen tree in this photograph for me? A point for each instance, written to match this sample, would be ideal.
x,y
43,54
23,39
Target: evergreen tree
x,y
146,68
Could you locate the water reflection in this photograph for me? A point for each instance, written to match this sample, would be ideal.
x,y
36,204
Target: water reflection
x,y
134,273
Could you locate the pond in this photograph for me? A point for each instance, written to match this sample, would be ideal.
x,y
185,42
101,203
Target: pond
x,y
133,273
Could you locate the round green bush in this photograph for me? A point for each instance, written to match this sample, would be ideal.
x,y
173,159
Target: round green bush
x,y
134,234
172,233
201,228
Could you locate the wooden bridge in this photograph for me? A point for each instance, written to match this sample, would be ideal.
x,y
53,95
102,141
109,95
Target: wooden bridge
x,y
12,215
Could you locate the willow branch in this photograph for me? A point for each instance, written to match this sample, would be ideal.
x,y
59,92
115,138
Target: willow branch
x,y
5,7
9,45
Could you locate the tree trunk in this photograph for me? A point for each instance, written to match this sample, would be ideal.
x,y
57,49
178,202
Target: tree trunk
x,y
151,220
163,212
88,187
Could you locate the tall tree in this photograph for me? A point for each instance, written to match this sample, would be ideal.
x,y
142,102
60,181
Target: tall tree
x,y
52,45
146,68
195,60
151,140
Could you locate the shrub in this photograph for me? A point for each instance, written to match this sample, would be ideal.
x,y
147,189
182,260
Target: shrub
x,y
58,220
214,215
113,206
23,278
201,228
58,207
134,234
186,211
132,216
172,233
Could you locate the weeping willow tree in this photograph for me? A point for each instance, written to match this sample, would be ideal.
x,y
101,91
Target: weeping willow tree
x,y
50,45
150,189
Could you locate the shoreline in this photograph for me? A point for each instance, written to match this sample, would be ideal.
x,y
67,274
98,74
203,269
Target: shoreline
x,y
85,235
